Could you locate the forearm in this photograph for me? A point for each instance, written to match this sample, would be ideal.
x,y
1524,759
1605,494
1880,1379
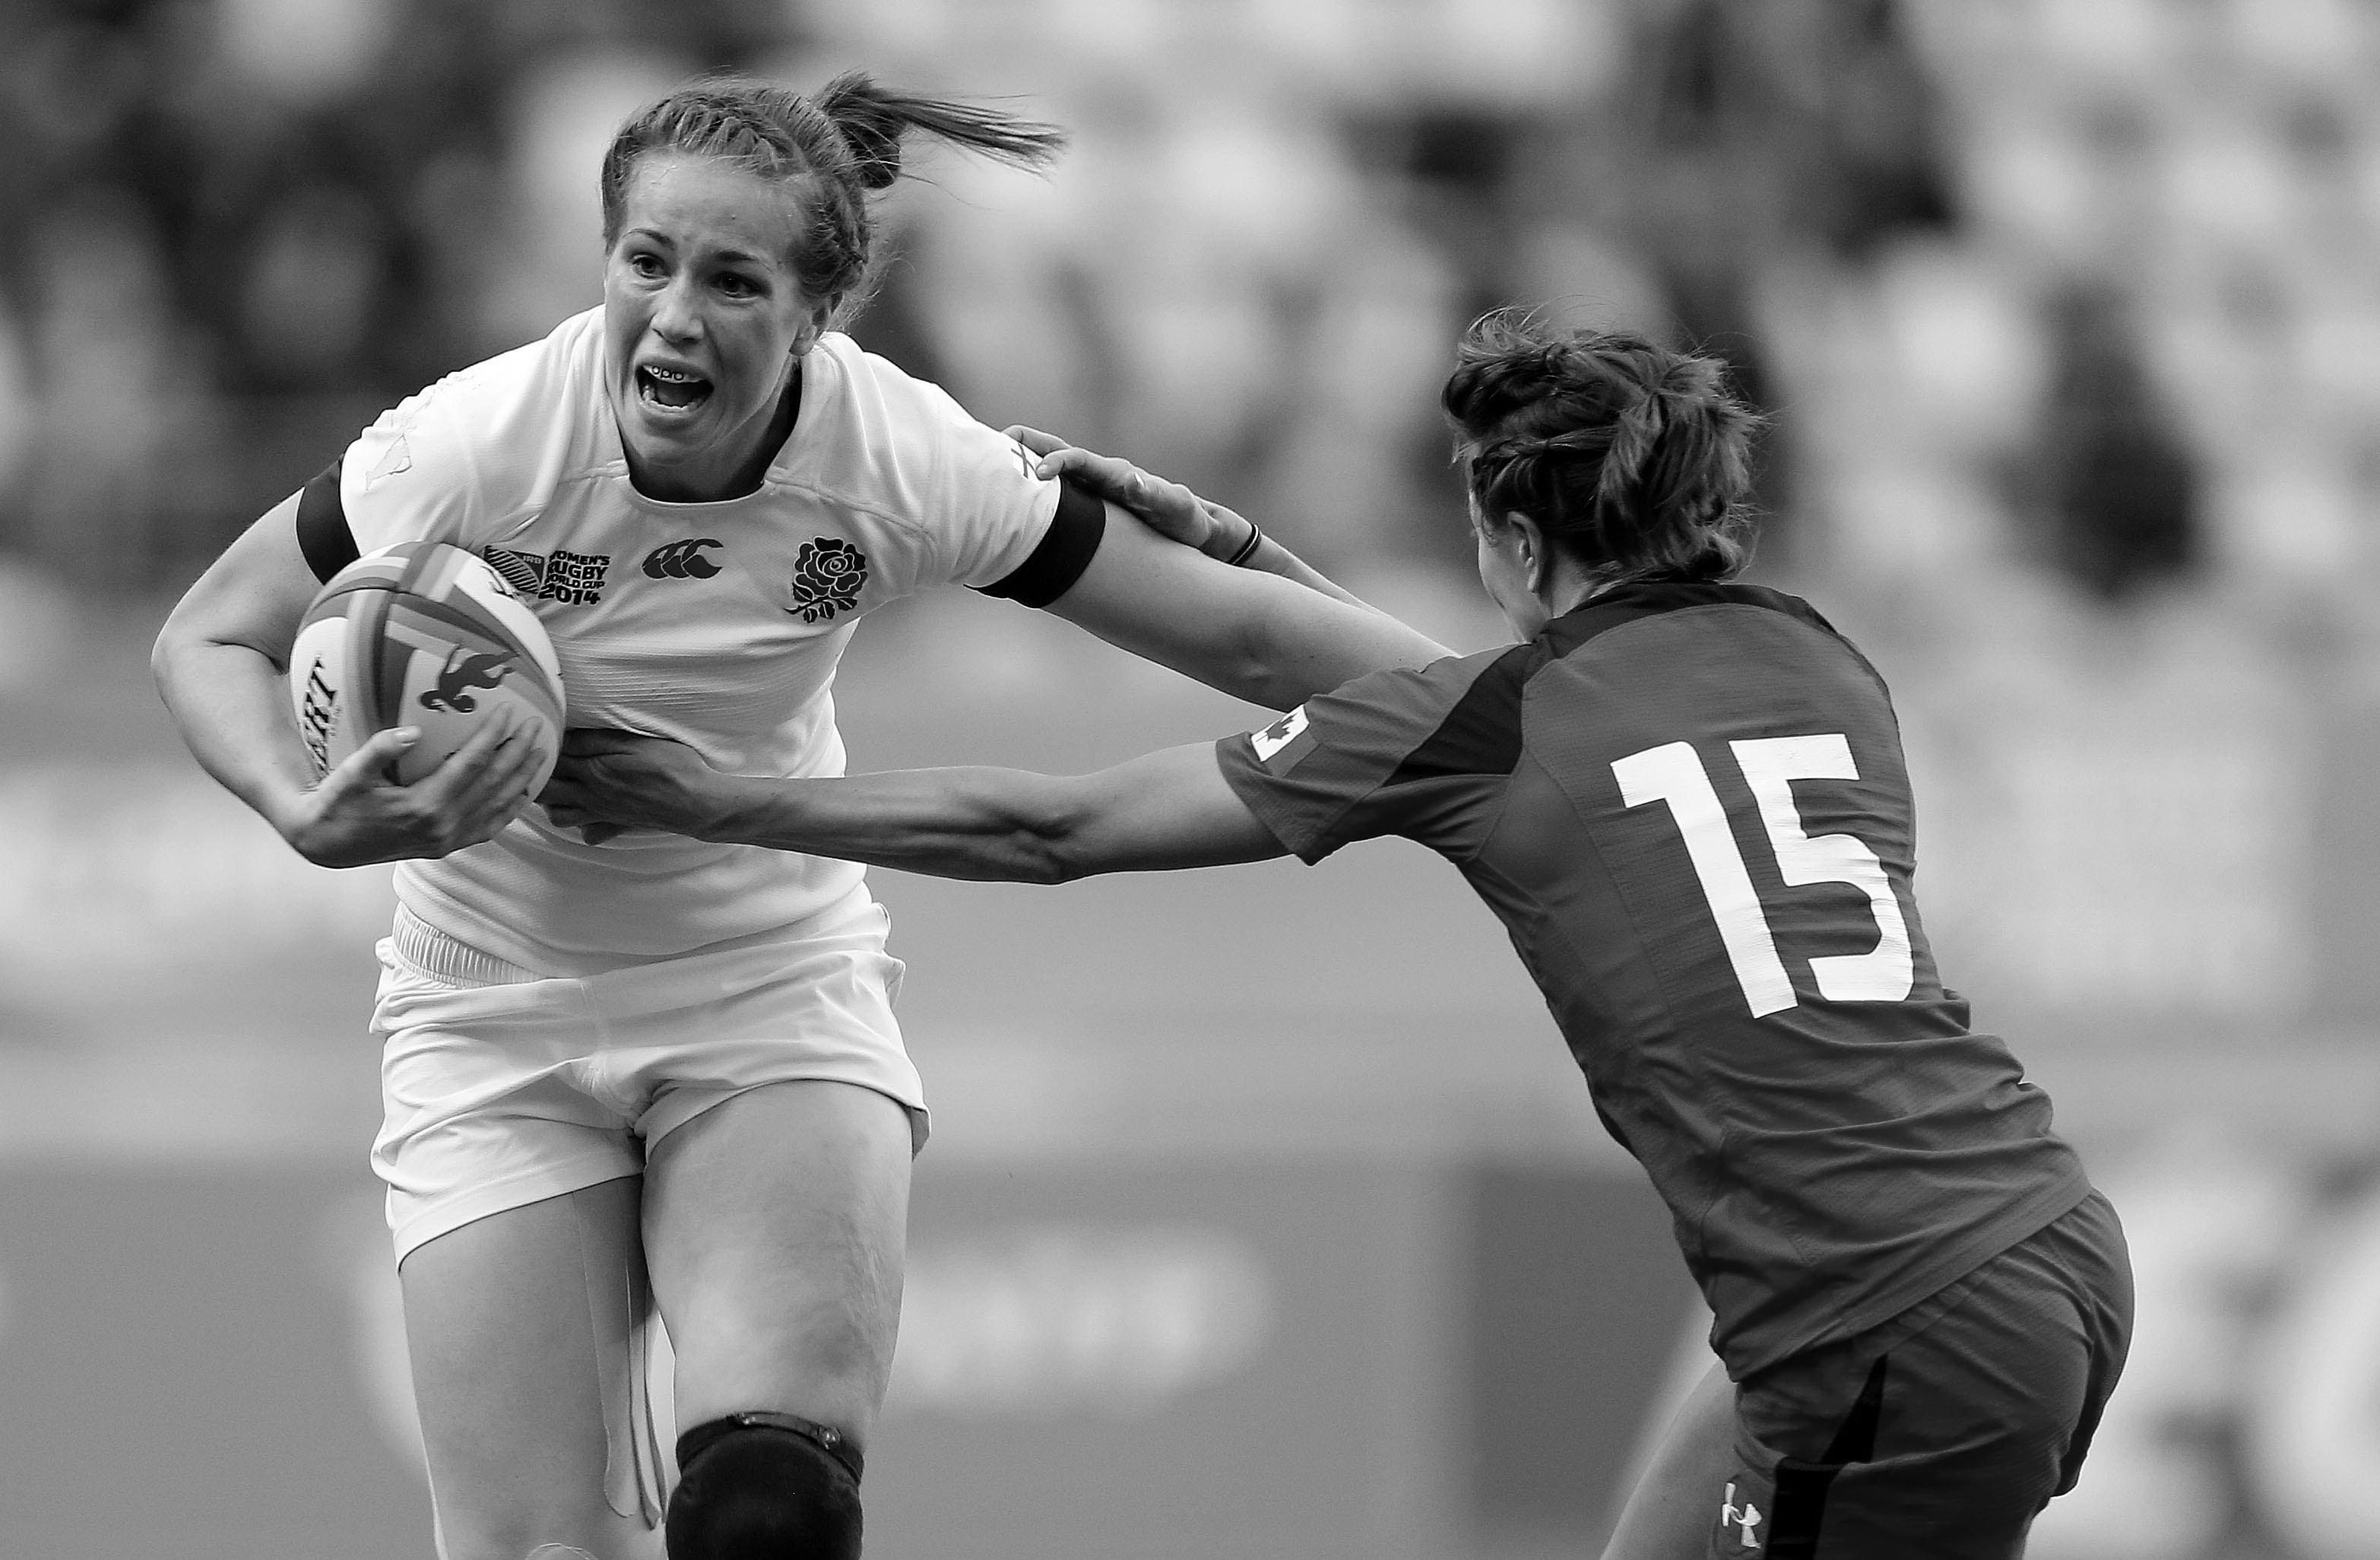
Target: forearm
x,y
230,702
1249,633
220,661
1274,558
983,825
1257,550
1287,656
1175,512
1162,811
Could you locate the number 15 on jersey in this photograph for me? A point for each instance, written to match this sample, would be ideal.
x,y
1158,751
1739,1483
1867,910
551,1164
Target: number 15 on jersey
x,y
1673,772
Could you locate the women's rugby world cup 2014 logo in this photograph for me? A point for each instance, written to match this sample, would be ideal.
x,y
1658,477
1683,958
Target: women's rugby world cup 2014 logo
x,y
828,578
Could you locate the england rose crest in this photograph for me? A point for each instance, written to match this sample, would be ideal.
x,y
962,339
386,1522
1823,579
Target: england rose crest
x,y
827,578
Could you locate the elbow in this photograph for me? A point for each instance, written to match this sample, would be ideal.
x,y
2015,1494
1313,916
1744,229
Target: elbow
x,y
1058,867
163,651
1040,870
1043,859
1048,847
1249,664
1016,858
181,637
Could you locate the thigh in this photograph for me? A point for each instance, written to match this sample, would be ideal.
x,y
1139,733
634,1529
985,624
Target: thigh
x,y
1666,1514
520,1327
483,1097
774,1225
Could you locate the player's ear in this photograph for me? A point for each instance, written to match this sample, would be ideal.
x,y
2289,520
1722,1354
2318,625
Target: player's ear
x,y
811,328
1537,558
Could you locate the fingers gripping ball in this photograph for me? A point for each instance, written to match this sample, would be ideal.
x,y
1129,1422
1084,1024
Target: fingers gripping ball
x,y
421,634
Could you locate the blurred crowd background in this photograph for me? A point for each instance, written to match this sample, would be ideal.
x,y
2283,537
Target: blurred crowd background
x,y
2067,317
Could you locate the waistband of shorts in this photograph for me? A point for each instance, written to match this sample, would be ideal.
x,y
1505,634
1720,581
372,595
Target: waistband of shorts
x,y
443,957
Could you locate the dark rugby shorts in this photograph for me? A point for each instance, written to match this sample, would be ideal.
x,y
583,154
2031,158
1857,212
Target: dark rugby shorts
x,y
1945,1431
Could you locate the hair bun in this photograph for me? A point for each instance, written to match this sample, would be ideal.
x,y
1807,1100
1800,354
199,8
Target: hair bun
x,y
1633,458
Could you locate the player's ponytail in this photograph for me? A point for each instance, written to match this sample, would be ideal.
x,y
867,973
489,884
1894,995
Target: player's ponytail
x,y
832,151
1635,459
872,136
873,118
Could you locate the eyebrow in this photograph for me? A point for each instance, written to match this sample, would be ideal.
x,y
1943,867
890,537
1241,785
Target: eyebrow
x,y
729,256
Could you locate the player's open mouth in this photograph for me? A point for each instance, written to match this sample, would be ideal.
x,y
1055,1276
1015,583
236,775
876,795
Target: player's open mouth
x,y
669,390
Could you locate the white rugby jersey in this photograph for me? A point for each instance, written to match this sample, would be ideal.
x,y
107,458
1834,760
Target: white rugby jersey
x,y
716,624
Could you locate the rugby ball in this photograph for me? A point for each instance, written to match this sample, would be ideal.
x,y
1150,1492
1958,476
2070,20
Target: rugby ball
x,y
421,634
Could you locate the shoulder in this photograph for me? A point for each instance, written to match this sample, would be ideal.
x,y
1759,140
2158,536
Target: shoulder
x,y
1449,680
879,424
1461,714
1639,600
896,457
1421,752
1717,619
496,437
875,385
530,380
1648,663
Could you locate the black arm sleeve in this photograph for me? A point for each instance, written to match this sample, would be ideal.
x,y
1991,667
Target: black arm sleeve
x,y
322,532
1065,551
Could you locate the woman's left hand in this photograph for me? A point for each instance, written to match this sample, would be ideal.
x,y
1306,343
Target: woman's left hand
x,y
606,782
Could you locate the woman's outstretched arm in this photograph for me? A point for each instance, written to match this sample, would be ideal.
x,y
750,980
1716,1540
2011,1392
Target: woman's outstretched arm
x,y
1161,811
1175,512
1254,635
1269,628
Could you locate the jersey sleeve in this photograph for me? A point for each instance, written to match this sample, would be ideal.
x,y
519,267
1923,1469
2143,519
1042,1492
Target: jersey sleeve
x,y
402,480
1065,549
459,459
1419,753
1005,531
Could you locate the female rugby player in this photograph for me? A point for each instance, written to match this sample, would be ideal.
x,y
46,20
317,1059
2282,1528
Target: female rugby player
x,y
661,1061
1685,799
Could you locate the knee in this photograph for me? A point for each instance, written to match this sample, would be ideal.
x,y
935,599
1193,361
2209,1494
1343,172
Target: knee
x,y
765,1487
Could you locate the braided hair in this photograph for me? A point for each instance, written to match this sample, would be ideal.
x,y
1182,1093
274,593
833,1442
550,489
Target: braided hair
x,y
835,149
1635,459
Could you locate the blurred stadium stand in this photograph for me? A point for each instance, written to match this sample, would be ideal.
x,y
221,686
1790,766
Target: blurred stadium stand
x,y
1264,1216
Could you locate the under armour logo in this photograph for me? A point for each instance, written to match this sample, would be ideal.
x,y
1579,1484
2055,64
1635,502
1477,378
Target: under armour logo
x,y
682,560
464,670
1746,1516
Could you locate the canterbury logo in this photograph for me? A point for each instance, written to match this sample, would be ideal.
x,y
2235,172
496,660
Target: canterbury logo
x,y
682,560
464,671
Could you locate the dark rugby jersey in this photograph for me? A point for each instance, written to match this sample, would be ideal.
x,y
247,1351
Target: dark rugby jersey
x,y
1688,805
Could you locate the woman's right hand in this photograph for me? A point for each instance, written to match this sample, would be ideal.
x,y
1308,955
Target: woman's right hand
x,y
1170,509
357,816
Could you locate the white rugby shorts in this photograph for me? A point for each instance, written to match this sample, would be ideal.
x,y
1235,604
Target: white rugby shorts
x,y
500,1087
